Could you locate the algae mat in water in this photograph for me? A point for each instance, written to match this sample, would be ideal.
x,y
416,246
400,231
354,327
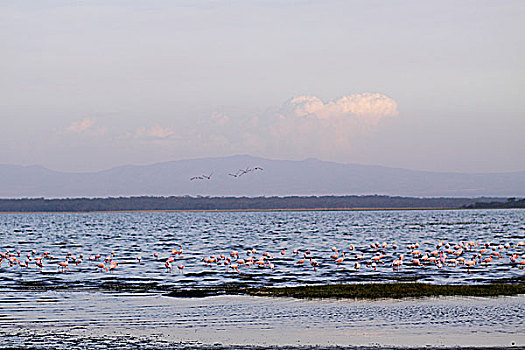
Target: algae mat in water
x,y
360,291
389,290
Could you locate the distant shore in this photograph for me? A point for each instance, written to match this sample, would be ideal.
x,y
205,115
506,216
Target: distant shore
x,y
290,203
224,210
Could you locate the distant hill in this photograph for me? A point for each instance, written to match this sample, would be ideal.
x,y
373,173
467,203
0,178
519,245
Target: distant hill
x,y
310,177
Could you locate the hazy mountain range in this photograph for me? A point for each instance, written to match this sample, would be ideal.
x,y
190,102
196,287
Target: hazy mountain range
x,y
278,177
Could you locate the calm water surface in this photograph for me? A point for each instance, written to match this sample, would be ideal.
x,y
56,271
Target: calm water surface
x,y
38,305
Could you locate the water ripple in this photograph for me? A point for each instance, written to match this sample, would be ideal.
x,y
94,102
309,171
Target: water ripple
x,y
130,235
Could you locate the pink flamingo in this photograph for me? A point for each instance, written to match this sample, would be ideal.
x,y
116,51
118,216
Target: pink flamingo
x,y
63,265
102,267
341,259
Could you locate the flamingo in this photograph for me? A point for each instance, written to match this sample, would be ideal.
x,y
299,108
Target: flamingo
x,y
416,262
314,264
234,268
341,259
397,263
38,262
377,257
469,264
63,265
102,267
241,172
260,262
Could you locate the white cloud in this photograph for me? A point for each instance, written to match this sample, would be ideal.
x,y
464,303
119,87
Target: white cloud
x,y
155,132
371,105
219,118
81,126
86,126
303,126
307,126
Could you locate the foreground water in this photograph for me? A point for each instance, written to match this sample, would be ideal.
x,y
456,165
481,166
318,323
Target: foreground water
x,y
40,304
120,320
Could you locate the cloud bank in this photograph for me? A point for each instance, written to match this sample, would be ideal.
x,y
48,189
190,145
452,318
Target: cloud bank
x,y
372,105
310,126
301,127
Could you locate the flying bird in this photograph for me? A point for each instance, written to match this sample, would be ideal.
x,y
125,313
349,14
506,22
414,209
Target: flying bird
x,y
201,177
241,172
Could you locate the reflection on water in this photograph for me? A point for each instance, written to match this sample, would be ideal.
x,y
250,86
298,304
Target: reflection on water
x,y
230,320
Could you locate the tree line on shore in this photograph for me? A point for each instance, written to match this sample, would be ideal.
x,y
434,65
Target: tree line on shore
x,y
509,203
249,203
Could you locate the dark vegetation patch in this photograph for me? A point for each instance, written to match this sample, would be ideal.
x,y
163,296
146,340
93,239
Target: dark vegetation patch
x,y
389,290
392,290
510,203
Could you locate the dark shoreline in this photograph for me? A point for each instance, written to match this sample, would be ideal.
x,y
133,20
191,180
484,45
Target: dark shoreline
x,y
289,203
231,210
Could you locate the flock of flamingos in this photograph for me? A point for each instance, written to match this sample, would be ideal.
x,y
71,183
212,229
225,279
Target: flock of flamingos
x,y
464,254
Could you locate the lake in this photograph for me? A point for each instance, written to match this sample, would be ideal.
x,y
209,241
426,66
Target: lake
x,y
256,249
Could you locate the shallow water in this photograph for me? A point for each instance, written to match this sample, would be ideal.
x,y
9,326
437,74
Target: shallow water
x,y
128,307
201,235
119,320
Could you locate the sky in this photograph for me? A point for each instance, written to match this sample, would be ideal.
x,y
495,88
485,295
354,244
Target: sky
x,y
425,85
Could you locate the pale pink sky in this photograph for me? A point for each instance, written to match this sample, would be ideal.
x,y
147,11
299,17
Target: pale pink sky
x,y
433,85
